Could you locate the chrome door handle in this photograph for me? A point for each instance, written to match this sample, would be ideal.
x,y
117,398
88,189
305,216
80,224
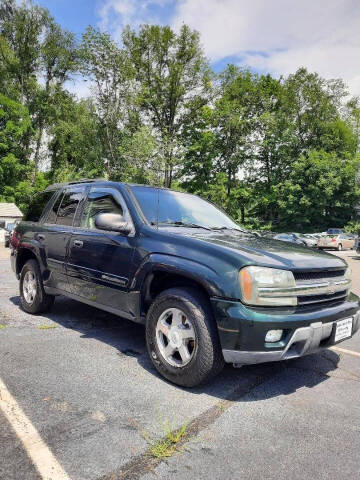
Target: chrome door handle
x,y
78,243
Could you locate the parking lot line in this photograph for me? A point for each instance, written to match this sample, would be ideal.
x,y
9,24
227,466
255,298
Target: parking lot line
x,y
344,350
41,456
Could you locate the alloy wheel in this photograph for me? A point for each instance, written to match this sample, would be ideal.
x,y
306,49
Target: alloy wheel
x,y
175,337
29,287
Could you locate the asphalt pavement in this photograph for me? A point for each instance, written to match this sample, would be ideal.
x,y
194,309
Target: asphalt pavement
x,y
81,378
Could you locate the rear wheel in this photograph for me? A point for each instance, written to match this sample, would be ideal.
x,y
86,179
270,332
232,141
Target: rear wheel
x,y
32,293
339,247
182,338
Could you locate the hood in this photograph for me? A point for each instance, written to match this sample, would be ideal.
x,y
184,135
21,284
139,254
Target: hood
x,y
264,251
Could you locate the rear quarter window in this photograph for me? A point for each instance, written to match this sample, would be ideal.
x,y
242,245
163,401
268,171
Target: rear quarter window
x,y
37,206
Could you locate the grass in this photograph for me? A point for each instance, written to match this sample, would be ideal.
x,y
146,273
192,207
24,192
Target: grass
x,y
2,326
167,446
46,327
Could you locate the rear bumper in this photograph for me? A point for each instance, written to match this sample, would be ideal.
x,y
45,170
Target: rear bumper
x,y
242,330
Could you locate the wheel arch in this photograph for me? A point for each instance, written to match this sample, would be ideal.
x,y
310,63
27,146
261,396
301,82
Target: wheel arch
x,y
172,273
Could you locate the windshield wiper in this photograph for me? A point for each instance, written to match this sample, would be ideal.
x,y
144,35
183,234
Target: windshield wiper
x,y
231,228
182,224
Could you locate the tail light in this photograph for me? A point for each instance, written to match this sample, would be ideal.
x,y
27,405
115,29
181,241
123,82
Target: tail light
x,y
14,241
333,240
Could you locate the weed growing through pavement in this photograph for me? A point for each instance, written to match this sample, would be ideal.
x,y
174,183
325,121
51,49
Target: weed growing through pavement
x,y
46,327
169,444
2,326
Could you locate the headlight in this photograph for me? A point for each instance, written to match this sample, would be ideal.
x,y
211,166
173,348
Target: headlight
x,y
267,286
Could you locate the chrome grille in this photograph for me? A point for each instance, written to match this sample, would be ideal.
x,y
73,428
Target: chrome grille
x,y
308,299
333,278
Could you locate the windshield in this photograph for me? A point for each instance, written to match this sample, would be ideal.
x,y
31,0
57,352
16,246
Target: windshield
x,y
167,207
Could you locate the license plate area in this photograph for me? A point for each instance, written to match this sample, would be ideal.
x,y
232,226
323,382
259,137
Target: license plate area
x,y
343,329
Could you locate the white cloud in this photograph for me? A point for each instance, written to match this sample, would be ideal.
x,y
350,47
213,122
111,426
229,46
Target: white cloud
x,y
116,14
276,36
280,35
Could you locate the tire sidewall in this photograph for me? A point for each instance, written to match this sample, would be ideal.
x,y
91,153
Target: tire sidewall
x,y
38,302
196,371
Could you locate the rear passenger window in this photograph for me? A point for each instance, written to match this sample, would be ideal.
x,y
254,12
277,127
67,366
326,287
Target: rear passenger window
x,y
37,206
68,206
53,212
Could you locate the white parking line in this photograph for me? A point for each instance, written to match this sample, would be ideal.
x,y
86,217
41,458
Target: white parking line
x,y
344,350
45,462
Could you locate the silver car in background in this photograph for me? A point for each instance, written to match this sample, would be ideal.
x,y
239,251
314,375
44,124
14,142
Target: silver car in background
x,y
337,242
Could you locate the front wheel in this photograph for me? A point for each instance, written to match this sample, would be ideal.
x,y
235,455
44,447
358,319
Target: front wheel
x,y
182,338
32,293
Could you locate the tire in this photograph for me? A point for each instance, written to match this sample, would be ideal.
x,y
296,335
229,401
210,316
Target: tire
x,y
206,359
7,244
339,247
37,301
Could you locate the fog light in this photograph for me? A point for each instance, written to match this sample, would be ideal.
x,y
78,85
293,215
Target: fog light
x,y
273,336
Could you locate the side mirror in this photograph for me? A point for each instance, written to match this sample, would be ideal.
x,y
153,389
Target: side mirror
x,y
112,222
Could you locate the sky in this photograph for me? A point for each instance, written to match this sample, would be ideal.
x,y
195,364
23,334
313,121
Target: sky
x,y
268,36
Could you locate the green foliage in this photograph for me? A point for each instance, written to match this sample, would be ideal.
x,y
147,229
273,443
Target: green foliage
x,y
321,190
174,82
353,227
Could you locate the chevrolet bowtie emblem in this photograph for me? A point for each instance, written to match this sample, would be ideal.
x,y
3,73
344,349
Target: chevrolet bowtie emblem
x,y
331,289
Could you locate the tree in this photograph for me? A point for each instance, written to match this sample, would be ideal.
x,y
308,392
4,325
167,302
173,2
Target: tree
x,y
321,190
21,26
75,149
109,69
174,81
14,126
59,58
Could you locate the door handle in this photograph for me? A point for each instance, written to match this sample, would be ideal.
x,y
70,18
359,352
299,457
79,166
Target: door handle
x,y
78,243
39,236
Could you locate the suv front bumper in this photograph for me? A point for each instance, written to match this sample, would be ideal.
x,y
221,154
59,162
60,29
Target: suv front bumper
x,y
242,330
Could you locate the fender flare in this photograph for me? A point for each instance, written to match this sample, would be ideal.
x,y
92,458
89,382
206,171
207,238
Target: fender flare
x,y
195,271
34,248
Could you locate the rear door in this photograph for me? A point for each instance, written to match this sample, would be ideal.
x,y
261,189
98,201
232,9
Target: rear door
x,y
99,261
57,232
344,240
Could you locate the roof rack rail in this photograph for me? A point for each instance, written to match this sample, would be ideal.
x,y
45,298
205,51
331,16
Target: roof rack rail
x,y
86,180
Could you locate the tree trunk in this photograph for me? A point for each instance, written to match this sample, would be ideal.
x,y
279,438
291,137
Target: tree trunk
x,y
242,210
229,182
37,151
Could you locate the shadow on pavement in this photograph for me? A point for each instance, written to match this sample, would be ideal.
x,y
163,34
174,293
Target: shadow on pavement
x,y
129,339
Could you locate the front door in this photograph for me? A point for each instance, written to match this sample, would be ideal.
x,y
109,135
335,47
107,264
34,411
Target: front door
x,y
99,262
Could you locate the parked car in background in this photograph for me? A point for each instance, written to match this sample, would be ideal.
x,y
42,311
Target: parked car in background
x,y
289,237
337,242
207,290
8,232
309,241
334,231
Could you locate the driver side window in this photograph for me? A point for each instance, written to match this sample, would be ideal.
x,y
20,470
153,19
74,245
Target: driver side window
x,y
98,201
